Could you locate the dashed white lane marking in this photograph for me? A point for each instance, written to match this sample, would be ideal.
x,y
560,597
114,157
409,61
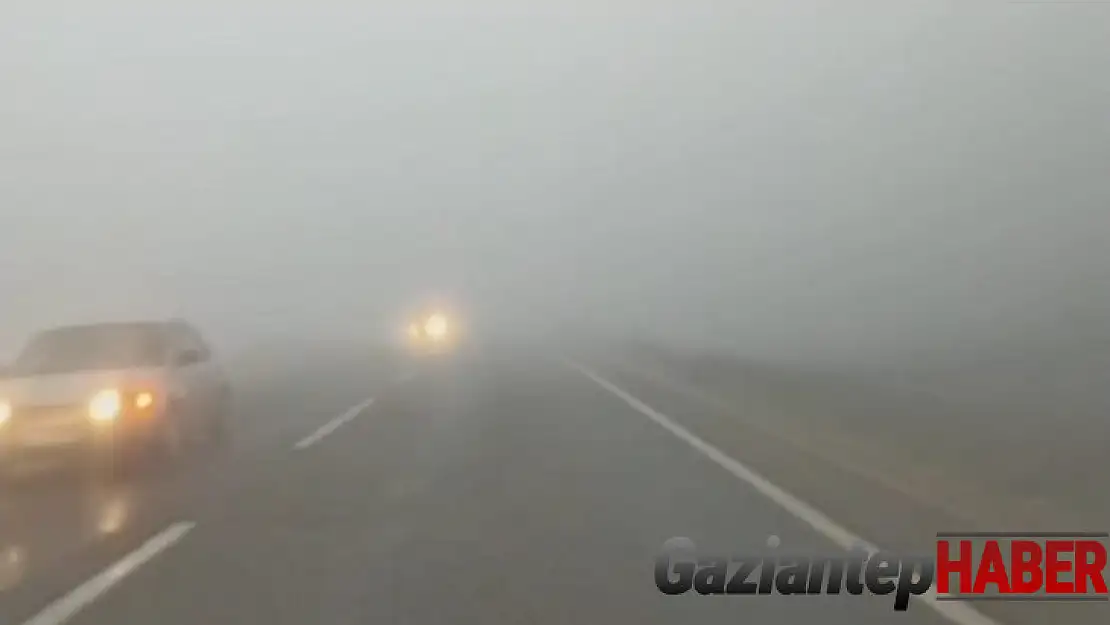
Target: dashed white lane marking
x,y
81,597
960,614
333,425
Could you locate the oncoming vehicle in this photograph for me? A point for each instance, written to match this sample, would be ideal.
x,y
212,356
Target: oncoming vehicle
x,y
431,333
111,393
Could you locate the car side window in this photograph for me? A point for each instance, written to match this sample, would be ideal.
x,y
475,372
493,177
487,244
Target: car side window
x,y
189,340
197,343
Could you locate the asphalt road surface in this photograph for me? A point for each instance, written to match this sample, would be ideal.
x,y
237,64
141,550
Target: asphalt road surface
x,y
505,487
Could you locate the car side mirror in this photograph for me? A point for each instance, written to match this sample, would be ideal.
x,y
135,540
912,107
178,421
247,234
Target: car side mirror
x,y
188,357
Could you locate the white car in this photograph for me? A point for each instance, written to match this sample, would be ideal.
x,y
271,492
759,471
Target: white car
x,y
115,392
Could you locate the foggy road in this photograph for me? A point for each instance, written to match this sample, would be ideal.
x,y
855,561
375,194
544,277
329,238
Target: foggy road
x,y
493,488
791,274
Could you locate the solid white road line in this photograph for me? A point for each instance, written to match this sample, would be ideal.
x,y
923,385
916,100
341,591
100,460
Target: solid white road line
x,y
333,425
960,614
79,598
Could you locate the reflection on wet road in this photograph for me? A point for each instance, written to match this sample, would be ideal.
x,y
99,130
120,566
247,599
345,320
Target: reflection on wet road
x,y
48,515
13,560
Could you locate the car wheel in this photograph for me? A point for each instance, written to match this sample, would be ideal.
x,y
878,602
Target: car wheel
x,y
170,446
219,435
217,431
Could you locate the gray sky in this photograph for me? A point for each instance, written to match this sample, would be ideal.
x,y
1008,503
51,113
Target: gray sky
x,y
824,180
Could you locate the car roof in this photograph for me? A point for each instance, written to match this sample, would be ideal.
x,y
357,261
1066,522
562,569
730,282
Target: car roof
x,y
113,325
148,327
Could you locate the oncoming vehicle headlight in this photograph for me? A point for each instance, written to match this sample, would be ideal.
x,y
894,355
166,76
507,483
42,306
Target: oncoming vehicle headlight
x,y
436,326
144,400
5,412
105,405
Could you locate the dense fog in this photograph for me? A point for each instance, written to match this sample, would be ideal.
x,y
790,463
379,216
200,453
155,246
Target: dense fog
x,y
834,182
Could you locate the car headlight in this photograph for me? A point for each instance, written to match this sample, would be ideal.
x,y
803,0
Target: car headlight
x,y
105,405
436,326
5,412
144,400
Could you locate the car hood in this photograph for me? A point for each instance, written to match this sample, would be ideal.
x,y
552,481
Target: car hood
x,y
75,388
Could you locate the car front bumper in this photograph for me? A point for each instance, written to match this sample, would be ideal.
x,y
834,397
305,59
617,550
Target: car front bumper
x,y
69,436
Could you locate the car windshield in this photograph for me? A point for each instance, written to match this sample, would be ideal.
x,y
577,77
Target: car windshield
x,y
91,348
